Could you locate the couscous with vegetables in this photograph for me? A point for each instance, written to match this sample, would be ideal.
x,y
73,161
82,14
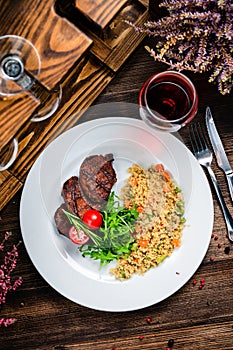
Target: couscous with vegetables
x,y
158,228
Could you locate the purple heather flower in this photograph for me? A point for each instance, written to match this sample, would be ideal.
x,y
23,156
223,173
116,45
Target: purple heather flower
x,y
7,321
6,282
195,35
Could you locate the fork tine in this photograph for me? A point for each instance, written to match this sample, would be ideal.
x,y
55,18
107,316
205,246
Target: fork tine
x,y
192,138
202,137
197,138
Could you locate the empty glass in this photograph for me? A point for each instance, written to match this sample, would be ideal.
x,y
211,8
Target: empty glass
x,y
19,69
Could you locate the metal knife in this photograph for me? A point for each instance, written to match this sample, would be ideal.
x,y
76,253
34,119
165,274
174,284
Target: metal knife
x,y
220,154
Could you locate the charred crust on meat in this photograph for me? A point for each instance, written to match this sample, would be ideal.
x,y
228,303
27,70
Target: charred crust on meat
x,y
97,177
90,190
73,197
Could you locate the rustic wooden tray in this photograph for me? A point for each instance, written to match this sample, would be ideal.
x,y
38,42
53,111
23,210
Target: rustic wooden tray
x,y
82,46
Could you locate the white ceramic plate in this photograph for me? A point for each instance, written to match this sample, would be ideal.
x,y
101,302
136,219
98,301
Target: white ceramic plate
x,y
58,260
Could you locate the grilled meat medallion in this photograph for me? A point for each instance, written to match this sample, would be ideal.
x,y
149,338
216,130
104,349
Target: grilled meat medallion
x,y
62,223
90,191
97,177
73,197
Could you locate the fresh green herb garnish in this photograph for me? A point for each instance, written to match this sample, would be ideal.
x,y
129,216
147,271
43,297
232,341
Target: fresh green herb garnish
x,y
118,223
115,236
116,232
105,255
79,225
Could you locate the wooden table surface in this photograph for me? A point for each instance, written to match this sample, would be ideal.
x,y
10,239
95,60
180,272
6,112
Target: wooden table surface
x,y
194,318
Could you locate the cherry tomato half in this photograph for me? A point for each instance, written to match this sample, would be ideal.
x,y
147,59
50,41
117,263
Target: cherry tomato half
x,y
78,236
93,219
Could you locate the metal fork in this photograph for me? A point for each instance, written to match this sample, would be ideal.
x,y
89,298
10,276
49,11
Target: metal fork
x,y
204,157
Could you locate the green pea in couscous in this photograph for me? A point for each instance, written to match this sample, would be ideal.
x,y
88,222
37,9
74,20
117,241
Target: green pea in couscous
x,y
160,222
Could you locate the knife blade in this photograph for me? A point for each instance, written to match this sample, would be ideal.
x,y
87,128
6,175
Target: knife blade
x,y
219,151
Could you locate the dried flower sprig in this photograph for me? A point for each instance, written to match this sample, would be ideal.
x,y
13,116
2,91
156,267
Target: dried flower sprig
x,y
195,35
6,282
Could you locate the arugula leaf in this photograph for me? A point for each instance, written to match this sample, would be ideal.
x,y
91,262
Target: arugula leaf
x,y
105,255
118,226
117,232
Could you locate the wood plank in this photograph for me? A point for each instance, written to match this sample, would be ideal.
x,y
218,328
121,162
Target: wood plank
x,y
118,40
125,47
100,11
59,44
10,184
144,3
14,113
198,336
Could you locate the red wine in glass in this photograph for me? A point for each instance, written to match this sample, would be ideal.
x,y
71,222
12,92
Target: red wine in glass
x,y
168,101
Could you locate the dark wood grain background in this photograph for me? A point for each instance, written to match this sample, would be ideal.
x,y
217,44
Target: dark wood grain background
x,y
195,319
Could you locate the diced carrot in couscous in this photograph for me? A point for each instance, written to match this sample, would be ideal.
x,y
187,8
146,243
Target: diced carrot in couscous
x,y
159,225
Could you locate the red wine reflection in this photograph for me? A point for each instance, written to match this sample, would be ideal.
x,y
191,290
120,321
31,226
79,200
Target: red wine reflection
x,y
168,99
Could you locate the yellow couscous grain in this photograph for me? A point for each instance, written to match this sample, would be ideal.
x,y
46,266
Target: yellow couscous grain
x,y
159,224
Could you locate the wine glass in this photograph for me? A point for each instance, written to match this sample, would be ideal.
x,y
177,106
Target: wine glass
x,y
168,101
19,70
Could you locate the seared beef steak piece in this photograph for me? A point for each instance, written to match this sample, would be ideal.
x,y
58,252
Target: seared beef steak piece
x,y
61,220
96,178
73,197
90,190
